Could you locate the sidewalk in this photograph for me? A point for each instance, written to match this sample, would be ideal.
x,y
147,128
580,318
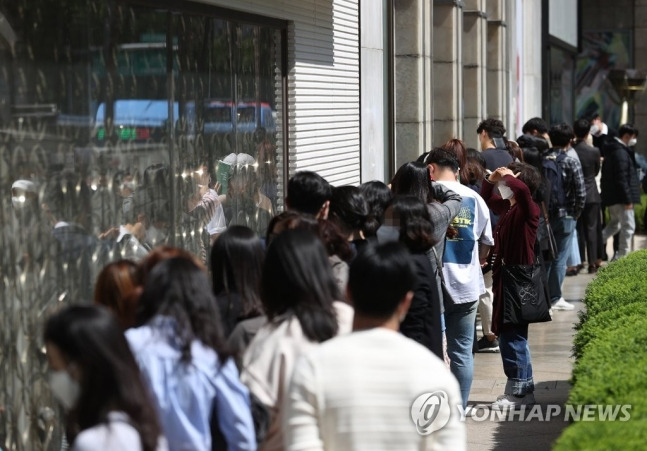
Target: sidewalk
x,y
550,347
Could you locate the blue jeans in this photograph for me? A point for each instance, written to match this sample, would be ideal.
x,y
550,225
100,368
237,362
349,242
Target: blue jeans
x,y
556,270
515,355
459,320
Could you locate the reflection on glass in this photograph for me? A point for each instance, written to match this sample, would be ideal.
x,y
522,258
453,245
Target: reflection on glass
x,y
118,133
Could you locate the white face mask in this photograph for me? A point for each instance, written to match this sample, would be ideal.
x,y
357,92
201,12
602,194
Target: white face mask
x,y
18,202
594,129
506,192
64,388
632,142
387,234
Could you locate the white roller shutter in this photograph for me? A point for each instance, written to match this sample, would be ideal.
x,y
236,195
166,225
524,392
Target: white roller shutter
x,y
323,83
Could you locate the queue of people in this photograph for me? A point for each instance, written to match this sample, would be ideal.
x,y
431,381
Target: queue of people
x,y
324,331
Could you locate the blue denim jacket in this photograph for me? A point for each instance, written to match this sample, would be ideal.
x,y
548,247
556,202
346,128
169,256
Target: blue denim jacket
x,y
185,393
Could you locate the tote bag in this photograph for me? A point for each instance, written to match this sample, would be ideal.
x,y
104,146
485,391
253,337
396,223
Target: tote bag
x,y
525,294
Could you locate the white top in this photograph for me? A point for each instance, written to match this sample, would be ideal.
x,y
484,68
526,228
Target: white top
x,y
116,435
269,361
356,393
461,266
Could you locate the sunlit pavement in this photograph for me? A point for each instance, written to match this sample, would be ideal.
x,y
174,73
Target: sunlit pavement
x,y
551,349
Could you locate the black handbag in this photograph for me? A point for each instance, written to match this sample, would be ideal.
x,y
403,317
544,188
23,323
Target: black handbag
x,y
546,238
525,294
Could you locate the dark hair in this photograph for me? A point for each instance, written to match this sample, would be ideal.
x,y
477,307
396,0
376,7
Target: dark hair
x,y
349,210
416,230
307,192
379,278
528,175
297,276
457,146
443,158
560,134
377,196
90,337
159,254
493,127
117,289
327,231
236,267
413,179
536,123
537,142
627,129
475,166
179,288
581,128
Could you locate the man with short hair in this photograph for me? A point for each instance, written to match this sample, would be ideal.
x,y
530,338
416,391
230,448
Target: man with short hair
x,y
536,126
462,259
620,189
563,217
310,193
368,390
490,133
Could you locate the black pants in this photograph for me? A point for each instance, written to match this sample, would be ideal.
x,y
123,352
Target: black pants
x,y
589,232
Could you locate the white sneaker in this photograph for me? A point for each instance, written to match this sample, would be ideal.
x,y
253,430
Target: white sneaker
x,y
562,304
510,402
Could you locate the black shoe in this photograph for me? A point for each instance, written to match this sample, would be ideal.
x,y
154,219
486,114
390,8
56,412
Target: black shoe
x,y
486,345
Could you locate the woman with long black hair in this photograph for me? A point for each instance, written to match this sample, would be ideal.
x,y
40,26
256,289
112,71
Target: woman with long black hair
x,y
96,379
300,298
409,215
236,265
180,349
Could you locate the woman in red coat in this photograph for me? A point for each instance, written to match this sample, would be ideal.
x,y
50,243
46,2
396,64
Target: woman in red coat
x,y
514,242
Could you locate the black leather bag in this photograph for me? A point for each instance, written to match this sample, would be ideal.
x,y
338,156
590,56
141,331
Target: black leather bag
x,y
524,295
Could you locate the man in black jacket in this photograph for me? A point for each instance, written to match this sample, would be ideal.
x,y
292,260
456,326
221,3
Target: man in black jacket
x,y
620,189
589,221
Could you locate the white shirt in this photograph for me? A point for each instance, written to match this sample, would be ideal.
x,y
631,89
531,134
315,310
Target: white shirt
x,y
269,361
355,392
461,266
116,435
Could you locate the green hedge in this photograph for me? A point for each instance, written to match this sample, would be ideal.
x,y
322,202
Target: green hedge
x,y
611,358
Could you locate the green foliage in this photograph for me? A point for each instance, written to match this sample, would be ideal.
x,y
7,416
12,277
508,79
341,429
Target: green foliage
x,y
603,436
639,212
611,358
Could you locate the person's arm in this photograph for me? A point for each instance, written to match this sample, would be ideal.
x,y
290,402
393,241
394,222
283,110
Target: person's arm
x,y
623,176
449,203
493,200
301,419
233,407
573,184
521,192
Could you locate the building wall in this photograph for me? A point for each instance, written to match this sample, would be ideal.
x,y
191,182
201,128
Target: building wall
x,y
324,84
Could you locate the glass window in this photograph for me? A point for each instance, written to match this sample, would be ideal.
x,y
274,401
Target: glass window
x,y
121,128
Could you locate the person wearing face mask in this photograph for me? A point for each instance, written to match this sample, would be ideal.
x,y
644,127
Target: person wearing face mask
x,y
620,188
514,243
94,376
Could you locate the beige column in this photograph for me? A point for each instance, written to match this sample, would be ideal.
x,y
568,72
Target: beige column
x,y
412,90
448,70
474,68
496,60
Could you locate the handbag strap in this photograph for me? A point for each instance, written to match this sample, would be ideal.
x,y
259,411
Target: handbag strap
x,y
545,211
